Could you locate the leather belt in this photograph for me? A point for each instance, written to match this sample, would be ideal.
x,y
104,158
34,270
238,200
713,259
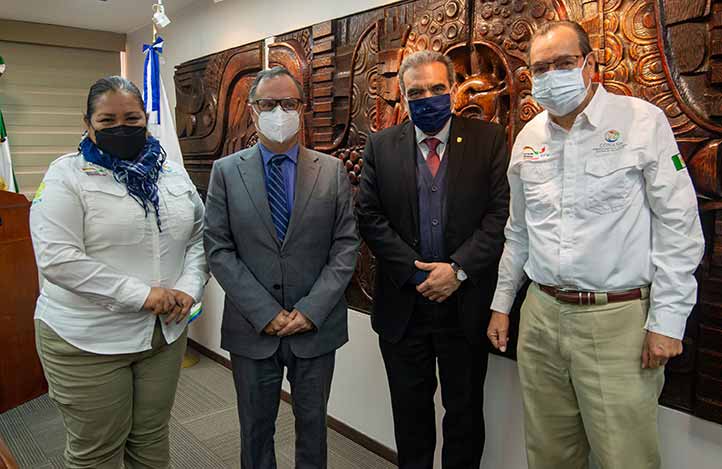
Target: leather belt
x,y
593,298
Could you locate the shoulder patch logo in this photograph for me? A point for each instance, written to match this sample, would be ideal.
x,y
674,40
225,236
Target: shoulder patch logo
x,y
39,193
678,161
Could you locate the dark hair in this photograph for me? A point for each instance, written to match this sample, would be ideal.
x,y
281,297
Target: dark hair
x,y
277,71
582,36
424,57
106,85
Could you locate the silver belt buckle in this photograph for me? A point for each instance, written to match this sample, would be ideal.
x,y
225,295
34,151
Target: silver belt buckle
x,y
581,294
589,297
599,298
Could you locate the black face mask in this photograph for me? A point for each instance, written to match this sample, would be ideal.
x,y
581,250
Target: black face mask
x,y
123,141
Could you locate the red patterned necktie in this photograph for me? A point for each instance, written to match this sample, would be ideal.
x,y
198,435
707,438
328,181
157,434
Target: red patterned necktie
x,y
432,160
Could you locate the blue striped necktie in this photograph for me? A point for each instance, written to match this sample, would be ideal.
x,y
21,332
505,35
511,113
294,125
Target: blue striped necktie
x,y
277,197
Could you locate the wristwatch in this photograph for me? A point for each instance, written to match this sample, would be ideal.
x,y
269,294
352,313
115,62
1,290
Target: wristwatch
x,y
460,274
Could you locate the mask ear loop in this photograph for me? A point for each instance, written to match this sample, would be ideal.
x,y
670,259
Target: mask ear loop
x,y
581,72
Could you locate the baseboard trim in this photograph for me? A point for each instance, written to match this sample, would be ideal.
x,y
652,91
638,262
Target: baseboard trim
x,y
206,352
338,426
356,436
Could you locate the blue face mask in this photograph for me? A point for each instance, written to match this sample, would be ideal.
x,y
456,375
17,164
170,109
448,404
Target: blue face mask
x,y
430,114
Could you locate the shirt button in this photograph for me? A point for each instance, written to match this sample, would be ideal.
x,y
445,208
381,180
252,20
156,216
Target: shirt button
x,y
434,188
434,222
276,287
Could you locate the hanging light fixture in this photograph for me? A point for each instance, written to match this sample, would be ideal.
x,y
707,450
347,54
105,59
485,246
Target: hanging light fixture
x,y
160,19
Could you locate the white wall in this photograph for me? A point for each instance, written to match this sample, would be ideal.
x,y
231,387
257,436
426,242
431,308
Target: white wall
x,y
205,27
360,391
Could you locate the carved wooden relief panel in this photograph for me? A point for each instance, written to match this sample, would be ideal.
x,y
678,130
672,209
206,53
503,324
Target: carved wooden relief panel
x,y
211,114
668,52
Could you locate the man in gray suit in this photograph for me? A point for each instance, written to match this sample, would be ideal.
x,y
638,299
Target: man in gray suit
x,y
281,240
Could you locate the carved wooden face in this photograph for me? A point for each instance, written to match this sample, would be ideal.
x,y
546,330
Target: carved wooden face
x,y
483,90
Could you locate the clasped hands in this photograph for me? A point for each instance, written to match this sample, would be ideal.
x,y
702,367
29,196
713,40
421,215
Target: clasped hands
x,y
441,282
173,303
656,351
285,324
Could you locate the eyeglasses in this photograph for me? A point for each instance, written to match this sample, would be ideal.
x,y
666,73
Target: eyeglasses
x,y
563,62
269,104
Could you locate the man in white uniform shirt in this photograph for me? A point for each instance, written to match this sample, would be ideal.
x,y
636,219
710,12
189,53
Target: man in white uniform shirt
x,y
604,221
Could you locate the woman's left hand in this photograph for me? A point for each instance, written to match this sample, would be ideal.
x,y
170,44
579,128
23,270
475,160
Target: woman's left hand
x,y
184,303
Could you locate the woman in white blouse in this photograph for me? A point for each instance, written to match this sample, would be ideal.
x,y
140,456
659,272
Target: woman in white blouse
x,y
117,232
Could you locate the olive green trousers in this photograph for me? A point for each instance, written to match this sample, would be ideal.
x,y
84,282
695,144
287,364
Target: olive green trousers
x,y
583,385
115,408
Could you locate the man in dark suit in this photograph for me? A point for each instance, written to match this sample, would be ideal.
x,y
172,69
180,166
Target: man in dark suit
x,y
432,206
281,240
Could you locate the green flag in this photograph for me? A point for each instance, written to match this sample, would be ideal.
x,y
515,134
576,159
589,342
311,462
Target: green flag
x,y
7,176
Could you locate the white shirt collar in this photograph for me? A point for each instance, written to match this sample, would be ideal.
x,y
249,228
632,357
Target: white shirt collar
x,y
593,112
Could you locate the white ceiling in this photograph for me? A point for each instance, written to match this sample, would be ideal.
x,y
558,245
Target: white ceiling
x,y
120,16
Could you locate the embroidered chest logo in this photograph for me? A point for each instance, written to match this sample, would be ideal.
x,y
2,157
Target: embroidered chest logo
x,y
612,136
530,154
613,141
94,170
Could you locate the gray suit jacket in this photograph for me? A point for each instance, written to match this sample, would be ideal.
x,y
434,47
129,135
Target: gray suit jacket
x,y
309,271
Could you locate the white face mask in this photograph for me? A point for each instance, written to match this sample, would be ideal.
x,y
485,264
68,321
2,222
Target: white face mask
x,y
278,125
560,91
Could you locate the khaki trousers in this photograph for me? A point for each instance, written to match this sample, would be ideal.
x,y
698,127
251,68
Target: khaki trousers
x,y
583,385
115,408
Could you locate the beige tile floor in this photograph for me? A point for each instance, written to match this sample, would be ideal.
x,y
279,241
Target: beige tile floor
x,y
204,429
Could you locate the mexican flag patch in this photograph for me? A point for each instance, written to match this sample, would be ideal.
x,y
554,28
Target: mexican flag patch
x,y
678,162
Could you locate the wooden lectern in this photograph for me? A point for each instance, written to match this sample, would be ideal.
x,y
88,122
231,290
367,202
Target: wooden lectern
x,y
7,461
21,376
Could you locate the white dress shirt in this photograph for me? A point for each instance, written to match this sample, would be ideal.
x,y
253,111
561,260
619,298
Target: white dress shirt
x,y
607,206
100,255
442,135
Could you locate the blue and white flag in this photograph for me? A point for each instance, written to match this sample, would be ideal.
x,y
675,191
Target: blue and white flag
x,y
160,119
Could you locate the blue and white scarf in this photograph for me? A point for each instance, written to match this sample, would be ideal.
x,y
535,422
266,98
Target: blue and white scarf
x,y
140,176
